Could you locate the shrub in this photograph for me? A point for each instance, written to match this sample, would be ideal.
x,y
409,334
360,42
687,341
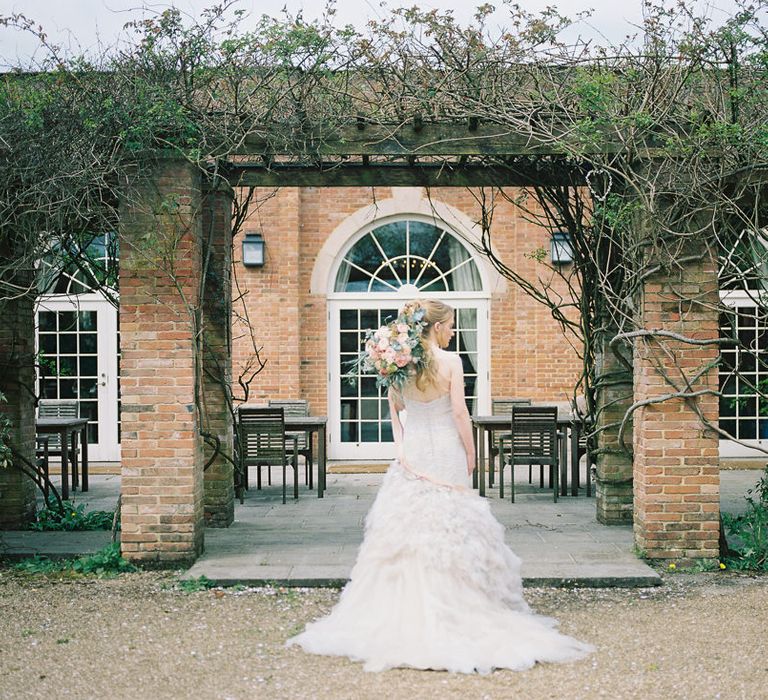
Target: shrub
x,y
106,562
72,517
750,530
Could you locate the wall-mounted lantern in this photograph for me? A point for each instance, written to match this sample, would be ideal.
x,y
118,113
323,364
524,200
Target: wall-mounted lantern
x,y
561,248
253,250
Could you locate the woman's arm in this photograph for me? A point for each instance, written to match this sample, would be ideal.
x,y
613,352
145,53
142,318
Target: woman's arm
x,y
460,412
395,406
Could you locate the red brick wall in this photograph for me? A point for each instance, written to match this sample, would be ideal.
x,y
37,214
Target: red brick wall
x,y
676,463
528,358
17,378
162,467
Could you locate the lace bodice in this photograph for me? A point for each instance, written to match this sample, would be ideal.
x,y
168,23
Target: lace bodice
x,y
431,442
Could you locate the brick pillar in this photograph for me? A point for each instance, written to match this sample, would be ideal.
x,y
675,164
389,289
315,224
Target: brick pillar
x,y
614,464
217,355
17,382
676,465
162,457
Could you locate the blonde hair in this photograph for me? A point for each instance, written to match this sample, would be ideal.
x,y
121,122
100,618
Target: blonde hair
x,y
434,312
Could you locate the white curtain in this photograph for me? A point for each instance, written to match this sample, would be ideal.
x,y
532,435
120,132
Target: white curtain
x,y
342,277
467,277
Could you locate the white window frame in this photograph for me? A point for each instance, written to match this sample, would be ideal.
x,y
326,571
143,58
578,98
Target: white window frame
x,y
731,448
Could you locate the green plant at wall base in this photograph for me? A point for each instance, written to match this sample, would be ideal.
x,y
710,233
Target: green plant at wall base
x,y
106,562
751,530
5,437
195,585
71,517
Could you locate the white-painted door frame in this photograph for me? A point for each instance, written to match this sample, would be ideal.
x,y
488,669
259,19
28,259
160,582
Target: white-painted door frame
x,y
107,449
384,451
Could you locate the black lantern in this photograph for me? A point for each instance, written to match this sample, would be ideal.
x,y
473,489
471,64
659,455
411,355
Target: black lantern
x,y
561,248
253,250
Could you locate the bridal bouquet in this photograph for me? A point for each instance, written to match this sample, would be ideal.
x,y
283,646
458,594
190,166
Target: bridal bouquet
x,y
394,351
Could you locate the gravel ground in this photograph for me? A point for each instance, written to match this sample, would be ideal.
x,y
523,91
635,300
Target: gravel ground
x,y
140,635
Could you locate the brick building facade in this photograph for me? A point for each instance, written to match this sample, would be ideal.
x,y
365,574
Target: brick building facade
x,y
291,299
301,304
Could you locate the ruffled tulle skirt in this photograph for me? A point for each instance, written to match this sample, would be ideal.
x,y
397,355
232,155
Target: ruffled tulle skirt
x,y
436,587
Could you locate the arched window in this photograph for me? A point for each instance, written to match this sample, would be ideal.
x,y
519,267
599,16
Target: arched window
x,y
413,254
77,267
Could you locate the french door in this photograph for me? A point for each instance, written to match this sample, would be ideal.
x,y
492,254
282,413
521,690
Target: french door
x,y
360,425
77,343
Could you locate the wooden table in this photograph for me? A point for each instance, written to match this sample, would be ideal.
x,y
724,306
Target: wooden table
x,y
313,424
68,429
492,424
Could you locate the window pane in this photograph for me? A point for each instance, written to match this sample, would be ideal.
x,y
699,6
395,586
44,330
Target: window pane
x,y
87,343
49,389
88,321
88,388
466,318
365,254
369,318
89,410
88,367
348,318
368,386
350,279
67,321
67,366
350,342
68,389
47,320
391,238
347,388
348,432
68,343
423,238
748,429
48,343
369,432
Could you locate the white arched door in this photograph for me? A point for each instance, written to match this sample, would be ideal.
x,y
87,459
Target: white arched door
x,y
77,340
382,268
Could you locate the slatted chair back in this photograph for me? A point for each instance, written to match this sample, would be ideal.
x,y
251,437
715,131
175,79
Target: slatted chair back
x,y
533,435
262,436
503,405
294,407
57,408
533,439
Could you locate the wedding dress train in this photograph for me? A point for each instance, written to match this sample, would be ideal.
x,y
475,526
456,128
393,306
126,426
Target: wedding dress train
x,y
434,585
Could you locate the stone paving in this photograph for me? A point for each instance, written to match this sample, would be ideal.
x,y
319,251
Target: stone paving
x,y
314,541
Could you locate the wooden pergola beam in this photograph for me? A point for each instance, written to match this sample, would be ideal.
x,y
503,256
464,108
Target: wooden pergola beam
x,y
428,140
401,175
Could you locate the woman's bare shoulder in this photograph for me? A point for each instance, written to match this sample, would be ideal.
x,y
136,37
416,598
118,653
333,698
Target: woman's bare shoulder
x,y
450,359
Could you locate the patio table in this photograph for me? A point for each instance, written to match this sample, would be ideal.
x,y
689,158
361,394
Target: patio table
x,y
490,424
313,424
68,428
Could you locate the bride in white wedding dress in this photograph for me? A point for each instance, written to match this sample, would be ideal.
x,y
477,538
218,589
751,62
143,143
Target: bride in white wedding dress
x,y
434,585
